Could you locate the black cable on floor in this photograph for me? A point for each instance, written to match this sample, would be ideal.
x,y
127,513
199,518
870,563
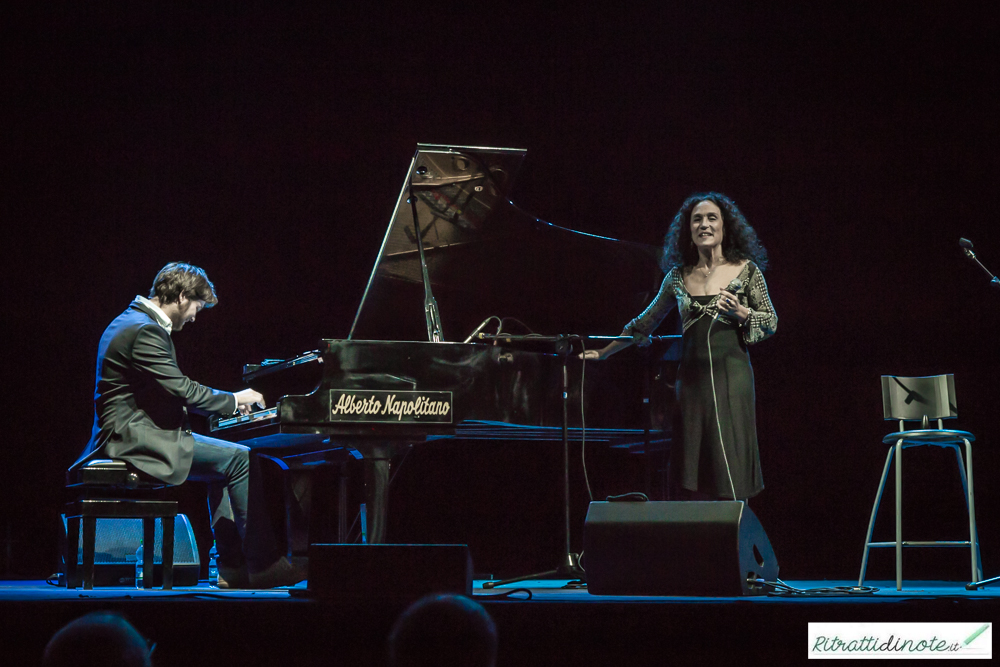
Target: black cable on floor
x,y
505,595
781,589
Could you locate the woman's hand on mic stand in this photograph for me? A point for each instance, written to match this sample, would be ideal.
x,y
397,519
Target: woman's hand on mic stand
x,y
604,352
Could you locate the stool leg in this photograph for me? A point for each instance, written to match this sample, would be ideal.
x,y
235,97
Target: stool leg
x,y
961,473
871,522
899,514
72,553
977,558
89,537
168,551
148,551
977,571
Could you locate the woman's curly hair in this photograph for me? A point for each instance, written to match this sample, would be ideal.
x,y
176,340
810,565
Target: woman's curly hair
x,y
739,240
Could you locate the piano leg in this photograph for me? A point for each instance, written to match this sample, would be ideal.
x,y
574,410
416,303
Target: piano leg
x,y
342,504
376,460
376,495
324,488
311,488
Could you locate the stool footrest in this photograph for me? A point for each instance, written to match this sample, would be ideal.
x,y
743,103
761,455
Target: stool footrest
x,y
910,543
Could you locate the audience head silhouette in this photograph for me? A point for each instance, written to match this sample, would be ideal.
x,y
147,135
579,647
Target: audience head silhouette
x,y
444,631
101,639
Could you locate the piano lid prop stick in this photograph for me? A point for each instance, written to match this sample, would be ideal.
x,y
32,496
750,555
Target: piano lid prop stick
x,y
432,316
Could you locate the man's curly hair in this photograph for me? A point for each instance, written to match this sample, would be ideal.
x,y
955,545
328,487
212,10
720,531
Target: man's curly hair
x,y
739,240
177,278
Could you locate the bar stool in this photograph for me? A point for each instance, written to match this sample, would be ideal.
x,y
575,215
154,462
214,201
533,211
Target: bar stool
x,y
922,399
109,489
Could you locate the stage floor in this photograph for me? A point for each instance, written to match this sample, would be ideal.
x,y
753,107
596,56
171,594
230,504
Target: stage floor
x,y
540,623
542,590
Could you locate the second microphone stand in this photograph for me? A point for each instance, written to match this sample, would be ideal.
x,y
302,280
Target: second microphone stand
x,y
994,282
967,249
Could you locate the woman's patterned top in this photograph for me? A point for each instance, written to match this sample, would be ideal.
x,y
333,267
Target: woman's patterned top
x,y
761,323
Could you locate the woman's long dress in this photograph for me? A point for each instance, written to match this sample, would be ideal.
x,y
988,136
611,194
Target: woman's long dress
x,y
715,434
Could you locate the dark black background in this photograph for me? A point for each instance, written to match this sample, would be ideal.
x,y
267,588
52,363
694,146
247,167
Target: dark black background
x,y
268,144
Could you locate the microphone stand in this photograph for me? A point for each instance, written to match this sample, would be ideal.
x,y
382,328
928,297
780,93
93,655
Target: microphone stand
x,y
967,249
994,282
570,566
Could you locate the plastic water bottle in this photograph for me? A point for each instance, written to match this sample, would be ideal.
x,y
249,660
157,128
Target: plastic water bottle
x,y
139,558
213,567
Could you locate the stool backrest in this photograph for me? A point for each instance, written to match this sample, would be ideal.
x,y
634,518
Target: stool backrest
x,y
919,398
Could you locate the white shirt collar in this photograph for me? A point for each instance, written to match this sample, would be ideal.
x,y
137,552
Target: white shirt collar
x,y
158,314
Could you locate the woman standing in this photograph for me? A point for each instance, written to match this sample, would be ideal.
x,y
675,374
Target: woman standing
x,y
714,266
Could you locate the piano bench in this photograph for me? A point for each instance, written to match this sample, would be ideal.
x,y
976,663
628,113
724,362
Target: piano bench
x,y
111,489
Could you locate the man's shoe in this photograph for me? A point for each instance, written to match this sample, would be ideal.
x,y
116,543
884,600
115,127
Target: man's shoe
x,y
233,577
280,573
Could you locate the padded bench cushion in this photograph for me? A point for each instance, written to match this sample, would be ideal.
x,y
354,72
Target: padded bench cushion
x,y
109,472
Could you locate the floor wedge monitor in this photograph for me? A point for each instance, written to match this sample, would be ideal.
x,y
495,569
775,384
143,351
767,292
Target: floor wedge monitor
x,y
115,545
713,549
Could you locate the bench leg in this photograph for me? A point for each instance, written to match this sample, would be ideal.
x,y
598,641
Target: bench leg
x,y
167,522
72,553
148,551
89,538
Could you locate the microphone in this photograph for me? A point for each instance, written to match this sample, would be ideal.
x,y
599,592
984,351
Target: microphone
x,y
735,284
967,248
733,287
479,329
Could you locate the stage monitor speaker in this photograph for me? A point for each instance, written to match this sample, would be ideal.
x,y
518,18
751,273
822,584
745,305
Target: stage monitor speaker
x,y
115,546
676,548
398,571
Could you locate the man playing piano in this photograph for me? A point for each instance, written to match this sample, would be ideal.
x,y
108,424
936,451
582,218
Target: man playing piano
x,y
141,401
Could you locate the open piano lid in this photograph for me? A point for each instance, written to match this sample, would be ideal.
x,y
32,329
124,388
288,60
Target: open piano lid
x,y
485,256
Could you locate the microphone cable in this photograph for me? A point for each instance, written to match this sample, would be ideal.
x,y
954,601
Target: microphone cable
x,y
715,399
482,325
734,286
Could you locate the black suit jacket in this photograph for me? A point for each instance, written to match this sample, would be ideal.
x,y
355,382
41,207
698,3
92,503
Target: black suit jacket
x,y
141,399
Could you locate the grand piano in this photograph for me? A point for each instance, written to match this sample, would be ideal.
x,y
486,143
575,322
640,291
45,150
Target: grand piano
x,y
468,328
